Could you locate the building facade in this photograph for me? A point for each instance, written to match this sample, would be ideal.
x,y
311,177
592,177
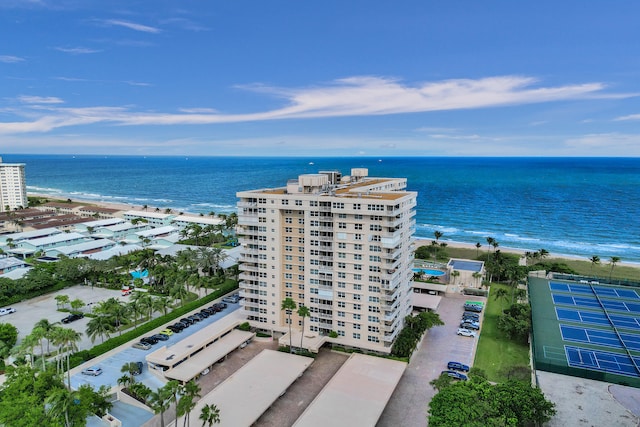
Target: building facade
x,y
13,186
341,246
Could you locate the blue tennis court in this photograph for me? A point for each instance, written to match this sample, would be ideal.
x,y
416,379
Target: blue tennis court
x,y
601,291
597,318
602,337
602,361
592,302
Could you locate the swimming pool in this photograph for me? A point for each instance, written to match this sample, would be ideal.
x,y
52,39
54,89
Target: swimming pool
x,y
429,271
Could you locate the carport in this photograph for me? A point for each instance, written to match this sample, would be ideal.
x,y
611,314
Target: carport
x,y
356,395
185,372
246,395
423,302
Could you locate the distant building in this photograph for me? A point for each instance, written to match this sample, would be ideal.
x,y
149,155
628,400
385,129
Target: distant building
x,y
341,246
13,186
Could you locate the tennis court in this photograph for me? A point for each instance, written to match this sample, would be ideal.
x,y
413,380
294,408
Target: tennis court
x,y
587,330
597,318
602,361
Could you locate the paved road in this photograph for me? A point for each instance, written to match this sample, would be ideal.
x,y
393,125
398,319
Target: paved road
x,y
408,405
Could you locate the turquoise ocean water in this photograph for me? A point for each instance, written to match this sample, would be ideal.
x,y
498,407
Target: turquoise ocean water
x,y
574,206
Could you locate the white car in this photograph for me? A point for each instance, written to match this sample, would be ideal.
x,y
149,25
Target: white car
x,y
466,332
8,310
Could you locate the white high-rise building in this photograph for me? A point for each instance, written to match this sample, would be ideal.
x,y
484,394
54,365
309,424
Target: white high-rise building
x,y
341,246
13,186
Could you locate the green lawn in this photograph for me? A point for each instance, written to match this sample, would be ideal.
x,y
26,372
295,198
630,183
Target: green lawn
x,y
495,353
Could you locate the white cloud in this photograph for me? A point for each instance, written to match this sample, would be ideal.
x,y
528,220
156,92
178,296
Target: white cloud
x,y
629,117
26,99
77,50
614,144
355,96
10,59
132,26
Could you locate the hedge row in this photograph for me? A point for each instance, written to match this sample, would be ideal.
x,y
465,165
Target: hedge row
x,y
85,355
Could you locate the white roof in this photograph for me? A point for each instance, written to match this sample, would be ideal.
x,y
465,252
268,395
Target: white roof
x,y
18,273
210,355
10,262
57,238
143,214
157,231
246,395
26,235
205,220
425,300
123,226
84,246
356,395
101,222
117,250
169,356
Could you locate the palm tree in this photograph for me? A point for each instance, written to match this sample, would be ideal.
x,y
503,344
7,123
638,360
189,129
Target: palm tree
x,y
303,311
455,274
174,389
594,260
145,207
210,415
99,326
159,401
501,294
161,304
437,234
130,368
179,291
47,327
476,275
66,338
613,261
40,334
189,392
289,305
543,253
478,246
58,402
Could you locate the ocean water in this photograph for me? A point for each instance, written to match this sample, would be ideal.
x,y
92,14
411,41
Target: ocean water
x,y
574,206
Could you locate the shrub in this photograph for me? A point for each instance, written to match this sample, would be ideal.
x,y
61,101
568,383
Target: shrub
x,y
244,326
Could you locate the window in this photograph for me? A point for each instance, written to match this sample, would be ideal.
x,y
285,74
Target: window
x,y
288,220
356,336
356,317
357,277
374,258
373,339
341,295
356,206
357,226
374,319
374,299
341,314
373,329
341,323
357,236
357,257
358,297
342,225
357,247
357,287
357,306
342,245
341,304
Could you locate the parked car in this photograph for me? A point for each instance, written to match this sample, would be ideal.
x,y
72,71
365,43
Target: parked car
x,y
149,340
94,371
204,313
176,327
7,310
160,337
194,318
209,310
455,375
167,332
457,366
222,305
233,299
466,332
72,317
141,346
473,307
187,321
139,366
471,314
470,325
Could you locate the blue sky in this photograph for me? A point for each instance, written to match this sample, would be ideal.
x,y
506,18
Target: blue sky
x,y
348,78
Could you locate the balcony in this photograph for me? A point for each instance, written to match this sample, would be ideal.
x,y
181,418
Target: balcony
x,y
245,303
247,204
391,337
249,286
248,219
249,267
392,241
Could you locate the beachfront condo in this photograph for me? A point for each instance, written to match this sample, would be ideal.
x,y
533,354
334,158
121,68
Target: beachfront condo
x,y
342,246
13,186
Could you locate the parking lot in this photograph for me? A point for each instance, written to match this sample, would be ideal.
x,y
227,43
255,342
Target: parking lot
x,y
408,405
29,312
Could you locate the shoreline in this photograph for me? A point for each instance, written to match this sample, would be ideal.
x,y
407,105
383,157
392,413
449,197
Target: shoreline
x,y
420,241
